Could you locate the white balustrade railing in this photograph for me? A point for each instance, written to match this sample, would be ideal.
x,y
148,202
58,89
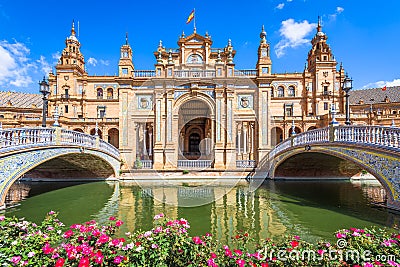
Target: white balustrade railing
x,y
194,164
245,163
194,73
386,137
24,138
147,164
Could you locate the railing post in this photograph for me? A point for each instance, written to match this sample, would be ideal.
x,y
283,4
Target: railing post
x,y
331,133
97,144
58,136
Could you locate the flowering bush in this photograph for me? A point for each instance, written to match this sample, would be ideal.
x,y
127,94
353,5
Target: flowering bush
x,y
23,243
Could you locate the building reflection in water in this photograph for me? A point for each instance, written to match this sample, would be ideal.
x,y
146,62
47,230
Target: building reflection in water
x,y
223,211
17,193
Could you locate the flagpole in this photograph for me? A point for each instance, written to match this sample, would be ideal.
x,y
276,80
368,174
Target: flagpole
x,y
194,20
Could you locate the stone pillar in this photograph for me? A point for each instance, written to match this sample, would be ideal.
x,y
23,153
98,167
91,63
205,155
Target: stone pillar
x,y
245,141
171,128
144,140
150,140
220,130
230,133
159,132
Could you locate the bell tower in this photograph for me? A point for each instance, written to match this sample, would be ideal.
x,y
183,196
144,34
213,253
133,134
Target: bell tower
x,y
125,65
71,57
264,62
325,77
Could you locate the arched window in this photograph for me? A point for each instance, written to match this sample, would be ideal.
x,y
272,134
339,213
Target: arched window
x,y
110,93
291,91
99,93
281,91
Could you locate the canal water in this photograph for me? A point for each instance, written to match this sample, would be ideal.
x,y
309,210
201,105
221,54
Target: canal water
x,y
313,210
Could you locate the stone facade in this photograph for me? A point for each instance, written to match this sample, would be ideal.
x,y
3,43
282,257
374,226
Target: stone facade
x,y
195,109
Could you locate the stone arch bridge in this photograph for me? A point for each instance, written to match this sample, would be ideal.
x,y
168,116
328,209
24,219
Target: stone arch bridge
x,y
337,151
53,153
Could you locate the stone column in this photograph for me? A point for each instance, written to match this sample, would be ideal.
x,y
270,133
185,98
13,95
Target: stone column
x,y
220,129
144,140
230,148
245,141
172,138
150,140
159,133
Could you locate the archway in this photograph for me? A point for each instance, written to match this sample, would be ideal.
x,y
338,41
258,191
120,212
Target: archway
x,y
276,136
195,130
78,130
311,128
113,137
99,132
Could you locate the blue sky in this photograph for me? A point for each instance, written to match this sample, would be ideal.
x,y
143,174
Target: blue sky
x,y
364,35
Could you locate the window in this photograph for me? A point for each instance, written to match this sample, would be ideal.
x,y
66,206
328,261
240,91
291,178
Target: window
x,y
66,108
281,92
291,91
66,95
169,71
158,72
219,72
101,111
288,110
272,91
325,105
110,94
326,90
99,93
124,71
265,70
230,72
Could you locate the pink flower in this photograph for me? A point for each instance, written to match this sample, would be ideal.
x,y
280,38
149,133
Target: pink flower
x,y
68,234
240,262
197,240
213,255
210,262
367,264
60,262
2,218
238,251
392,263
84,262
296,237
154,246
98,257
158,216
119,223
103,239
118,259
31,254
112,218
340,235
15,259
47,249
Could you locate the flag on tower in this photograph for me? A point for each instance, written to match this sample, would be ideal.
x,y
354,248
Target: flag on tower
x,y
191,17
384,88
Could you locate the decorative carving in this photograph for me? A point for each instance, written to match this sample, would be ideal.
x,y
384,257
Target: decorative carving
x,y
144,102
245,101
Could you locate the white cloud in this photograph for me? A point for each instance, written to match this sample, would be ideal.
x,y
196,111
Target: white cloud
x,y
339,10
92,61
44,65
293,35
15,64
379,84
280,6
104,62
289,0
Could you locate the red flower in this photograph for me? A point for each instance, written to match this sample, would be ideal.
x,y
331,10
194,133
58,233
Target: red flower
x,y
213,255
197,240
264,264
112,218
60,262
98,257
68,234
294,243
119,223
84,262
238,251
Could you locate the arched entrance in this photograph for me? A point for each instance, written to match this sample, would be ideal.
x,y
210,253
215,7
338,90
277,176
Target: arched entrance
x,y
195,131
276,136
113,137
99,132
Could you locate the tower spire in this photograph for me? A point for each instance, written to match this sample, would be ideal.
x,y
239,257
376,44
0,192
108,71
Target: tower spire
x,y
319,27
126,38
73,28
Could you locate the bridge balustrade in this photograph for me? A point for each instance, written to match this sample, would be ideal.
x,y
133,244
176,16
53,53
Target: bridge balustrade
x,y
24,138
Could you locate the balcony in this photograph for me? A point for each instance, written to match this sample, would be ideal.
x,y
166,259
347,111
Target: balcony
x,y
246,73
144,73
194,73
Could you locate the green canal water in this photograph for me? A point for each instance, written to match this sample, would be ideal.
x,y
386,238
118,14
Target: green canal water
x,y
311,209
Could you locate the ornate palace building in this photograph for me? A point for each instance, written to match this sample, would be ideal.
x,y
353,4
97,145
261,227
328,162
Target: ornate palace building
x,y
195,109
